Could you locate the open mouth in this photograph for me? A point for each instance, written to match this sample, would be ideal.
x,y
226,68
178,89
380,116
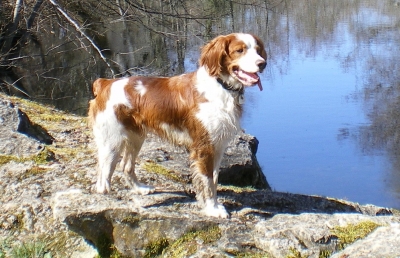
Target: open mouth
x,y
248,79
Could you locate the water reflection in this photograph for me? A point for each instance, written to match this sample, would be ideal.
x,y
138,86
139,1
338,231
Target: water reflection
x,y
363,37
328,122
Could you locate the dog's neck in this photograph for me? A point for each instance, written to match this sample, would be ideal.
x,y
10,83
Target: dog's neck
x,y
236,92
228,87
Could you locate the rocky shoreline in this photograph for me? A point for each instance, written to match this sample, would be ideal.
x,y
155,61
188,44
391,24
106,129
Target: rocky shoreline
x,y
47,200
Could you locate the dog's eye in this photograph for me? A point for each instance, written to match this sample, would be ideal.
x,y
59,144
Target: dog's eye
x,y
240,50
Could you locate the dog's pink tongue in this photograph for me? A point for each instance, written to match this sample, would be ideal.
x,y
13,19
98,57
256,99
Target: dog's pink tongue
x,y
260,85
255,77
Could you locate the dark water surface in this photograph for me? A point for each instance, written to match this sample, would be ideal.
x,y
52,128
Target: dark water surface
x,y
328,119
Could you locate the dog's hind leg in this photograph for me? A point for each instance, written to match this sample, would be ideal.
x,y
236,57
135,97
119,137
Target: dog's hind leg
x,y
109,136
107,160
131,150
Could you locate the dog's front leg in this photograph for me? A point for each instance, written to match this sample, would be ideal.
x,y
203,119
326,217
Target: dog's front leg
x,y
204,169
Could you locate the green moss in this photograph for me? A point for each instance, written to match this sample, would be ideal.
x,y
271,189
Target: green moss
x,y
158,169
294,253
324,254
68,153
131,220
4,159
186,245
236,189
19,224
353,232
30,105
33,171
115,253
43,157
156,247
54,121
249,255
346,236
53,118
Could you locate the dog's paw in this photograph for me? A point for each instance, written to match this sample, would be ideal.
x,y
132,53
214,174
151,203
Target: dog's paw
x,y
143,189
216,210
103,187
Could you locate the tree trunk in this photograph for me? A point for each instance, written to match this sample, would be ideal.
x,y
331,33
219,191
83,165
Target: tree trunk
x,y
12,27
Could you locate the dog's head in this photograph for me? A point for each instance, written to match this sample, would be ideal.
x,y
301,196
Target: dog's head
x,y
235,58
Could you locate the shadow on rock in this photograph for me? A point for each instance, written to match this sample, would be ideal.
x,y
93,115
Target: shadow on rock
x,y
277,202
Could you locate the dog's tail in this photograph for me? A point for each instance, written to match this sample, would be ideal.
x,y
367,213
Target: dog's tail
x,y
97,86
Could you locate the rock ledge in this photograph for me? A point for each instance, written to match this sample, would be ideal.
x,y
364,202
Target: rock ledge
x,y
51,201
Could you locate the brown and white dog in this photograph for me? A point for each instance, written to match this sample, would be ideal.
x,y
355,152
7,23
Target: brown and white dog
x,y
199,110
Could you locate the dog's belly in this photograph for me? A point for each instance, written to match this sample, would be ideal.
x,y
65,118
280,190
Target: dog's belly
x,y
176,136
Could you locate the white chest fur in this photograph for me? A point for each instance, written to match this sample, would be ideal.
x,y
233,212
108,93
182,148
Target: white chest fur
x,y
218,114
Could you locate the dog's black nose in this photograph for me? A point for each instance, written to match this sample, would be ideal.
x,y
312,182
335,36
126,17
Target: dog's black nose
x,y
262,65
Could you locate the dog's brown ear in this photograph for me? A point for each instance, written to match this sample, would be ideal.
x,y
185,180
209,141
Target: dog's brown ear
x,y
212,55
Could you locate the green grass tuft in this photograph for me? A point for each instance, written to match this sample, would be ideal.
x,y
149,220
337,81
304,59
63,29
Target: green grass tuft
x,y
30,250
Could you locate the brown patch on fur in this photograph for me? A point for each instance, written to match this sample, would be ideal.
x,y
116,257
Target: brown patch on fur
x,y
213,54
125,115
101,91
166,101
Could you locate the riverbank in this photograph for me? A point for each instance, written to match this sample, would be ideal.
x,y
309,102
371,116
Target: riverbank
x,y
49,206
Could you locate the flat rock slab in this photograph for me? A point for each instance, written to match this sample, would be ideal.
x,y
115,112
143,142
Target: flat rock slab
x,y
131,224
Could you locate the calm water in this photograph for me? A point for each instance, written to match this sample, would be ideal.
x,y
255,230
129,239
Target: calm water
x,y
328,119
312,116
299,119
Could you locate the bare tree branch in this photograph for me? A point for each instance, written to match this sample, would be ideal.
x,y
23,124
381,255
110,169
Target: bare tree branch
x,y
80,30
34,13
